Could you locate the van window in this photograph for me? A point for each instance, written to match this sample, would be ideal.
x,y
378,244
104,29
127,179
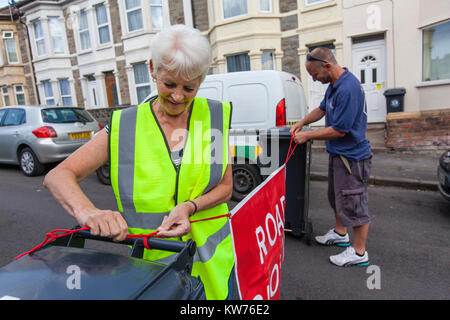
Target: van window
x,y
294,101
65,115
252,100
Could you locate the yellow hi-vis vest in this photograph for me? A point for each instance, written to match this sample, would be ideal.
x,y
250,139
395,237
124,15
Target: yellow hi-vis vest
x,y
147,186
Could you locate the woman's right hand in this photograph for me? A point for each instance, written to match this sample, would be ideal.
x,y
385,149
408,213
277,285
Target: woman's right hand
x,y
105,223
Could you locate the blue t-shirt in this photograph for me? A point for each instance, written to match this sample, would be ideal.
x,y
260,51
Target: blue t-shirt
x,y
346,111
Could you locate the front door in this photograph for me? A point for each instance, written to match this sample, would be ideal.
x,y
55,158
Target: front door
x,y
369,65
92,90
111,89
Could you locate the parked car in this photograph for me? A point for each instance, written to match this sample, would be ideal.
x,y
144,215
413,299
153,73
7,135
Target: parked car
x,y
443,173
33,136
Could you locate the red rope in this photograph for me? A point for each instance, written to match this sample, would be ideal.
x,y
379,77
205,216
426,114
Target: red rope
x,y
53,235
290,150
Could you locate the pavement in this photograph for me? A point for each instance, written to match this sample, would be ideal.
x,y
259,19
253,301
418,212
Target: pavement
x,y
395,169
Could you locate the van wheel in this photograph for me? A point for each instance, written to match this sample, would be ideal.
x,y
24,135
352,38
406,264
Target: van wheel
x,y
29,163
246,177
103,174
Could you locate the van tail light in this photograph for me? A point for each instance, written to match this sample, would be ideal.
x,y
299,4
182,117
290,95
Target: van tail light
x,y
281,113
45,132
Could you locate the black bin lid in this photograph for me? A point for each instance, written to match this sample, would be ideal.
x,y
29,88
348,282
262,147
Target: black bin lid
x,y
395,92
44,275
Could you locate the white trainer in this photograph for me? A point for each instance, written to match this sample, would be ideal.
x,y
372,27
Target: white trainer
x,y
350,258
332,238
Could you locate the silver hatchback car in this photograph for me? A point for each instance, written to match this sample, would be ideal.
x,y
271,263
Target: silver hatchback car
x,y
33,136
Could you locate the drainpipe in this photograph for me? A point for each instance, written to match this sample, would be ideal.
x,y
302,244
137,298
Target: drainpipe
x,y
393,43
188,17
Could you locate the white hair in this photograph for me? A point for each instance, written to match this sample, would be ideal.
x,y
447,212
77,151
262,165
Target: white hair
x,y
181,50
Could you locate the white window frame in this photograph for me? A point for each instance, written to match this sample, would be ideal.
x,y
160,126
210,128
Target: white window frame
x,y
106,24
57,37
143,84
232,17
270,6
65,95
36,39
15,50
18,92
52,97
272,51
422,82
5,95
162,13
309,4
127,11
83,31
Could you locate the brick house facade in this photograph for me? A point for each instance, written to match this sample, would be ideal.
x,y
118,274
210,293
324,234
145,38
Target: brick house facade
x,y
111,69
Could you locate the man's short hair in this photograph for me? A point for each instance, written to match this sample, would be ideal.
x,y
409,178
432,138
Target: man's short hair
x,y
323,53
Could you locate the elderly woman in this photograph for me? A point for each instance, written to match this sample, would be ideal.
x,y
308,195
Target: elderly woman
x,y
169,164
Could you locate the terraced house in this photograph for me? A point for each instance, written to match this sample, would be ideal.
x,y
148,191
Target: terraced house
x,y
16,76
94,53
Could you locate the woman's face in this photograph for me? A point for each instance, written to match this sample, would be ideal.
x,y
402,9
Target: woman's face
x,y
175,93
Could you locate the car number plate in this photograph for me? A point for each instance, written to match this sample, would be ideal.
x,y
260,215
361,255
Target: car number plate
x,y
80,135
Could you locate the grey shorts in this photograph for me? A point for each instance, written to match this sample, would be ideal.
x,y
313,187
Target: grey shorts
x,y
347,193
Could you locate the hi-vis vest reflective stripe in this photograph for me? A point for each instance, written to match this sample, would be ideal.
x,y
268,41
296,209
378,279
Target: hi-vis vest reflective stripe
x,y
147,186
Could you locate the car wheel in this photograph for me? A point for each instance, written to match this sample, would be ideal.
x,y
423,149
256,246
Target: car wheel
x,y
103,174
29,163
246,177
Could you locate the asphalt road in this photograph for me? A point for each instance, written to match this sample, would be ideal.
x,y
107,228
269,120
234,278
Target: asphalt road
x,y
408,245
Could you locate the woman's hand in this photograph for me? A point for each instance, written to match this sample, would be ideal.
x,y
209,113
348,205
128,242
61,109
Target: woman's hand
x,y
106,223
177,223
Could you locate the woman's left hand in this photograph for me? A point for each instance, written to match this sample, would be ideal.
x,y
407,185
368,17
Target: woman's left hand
x,y
177,223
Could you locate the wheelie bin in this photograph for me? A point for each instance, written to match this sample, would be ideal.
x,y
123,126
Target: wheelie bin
x,y
275,143
65,270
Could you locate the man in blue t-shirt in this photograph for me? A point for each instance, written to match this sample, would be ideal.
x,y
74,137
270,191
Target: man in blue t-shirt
x,y
345,111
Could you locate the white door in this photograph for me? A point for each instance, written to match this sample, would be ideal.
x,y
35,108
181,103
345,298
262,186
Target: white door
x,y
93,95
369,66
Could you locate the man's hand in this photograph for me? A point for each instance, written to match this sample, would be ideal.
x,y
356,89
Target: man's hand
x,y
177,223
296,127
301,137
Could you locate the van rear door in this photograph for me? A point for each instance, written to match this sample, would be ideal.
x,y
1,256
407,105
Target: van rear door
x,y
211,90
296,107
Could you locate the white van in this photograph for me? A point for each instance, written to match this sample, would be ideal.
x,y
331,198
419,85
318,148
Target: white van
x,y
261,100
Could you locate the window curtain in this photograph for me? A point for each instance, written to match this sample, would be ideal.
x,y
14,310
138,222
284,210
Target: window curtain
x,y
156,13
102,22
134,16
64,87
142,81
39,37
233,8
84,31
49,93
264,5
57,34
240,62
267,60
11,50
436,52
